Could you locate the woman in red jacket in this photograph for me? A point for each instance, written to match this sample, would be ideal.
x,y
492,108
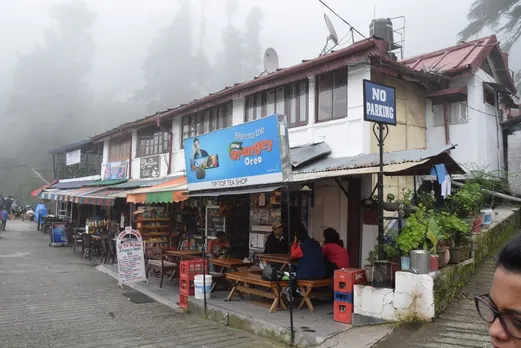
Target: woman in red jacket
x,y
334,252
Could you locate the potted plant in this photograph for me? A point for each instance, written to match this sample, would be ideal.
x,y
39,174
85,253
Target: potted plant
x,y
407,202
426,199
456,230
435,235
370,211
390,204
412,236
369,266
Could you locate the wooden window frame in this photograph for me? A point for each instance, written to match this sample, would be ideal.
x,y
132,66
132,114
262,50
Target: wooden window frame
x,y
119,149
317,94
201,121
152,141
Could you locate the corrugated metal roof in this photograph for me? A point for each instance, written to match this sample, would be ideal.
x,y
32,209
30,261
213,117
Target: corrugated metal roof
x,y
107,182
137,183
304,154
71,184
372,160
464,56
70,147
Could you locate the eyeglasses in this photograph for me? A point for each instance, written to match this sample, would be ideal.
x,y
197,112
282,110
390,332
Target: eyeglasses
x,y
488,311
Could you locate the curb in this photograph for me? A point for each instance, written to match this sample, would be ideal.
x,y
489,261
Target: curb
x,y
142,288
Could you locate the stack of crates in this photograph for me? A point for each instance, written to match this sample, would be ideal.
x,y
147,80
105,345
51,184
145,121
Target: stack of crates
x,y
188,269
344,284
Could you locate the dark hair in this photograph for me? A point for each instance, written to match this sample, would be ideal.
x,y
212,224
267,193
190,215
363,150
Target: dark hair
x,y
196,139
510,256
220,234
300,231
332,236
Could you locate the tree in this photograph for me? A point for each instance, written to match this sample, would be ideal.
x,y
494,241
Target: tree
x,y
253,48
172,70
504,16
49,99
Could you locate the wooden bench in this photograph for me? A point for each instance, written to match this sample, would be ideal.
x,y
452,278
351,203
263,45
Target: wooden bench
x,y
241,280
306,288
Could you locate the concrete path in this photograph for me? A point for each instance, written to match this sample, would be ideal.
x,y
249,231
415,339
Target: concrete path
x,y
459,326
51,298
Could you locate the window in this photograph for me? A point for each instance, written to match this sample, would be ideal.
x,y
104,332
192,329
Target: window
x,y
207,120
332,95
290,100
152,141
119,149
489,95
457,114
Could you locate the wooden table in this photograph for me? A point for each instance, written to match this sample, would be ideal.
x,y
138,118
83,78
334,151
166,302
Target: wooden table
x,y
275,258
230,263
182,254
241,280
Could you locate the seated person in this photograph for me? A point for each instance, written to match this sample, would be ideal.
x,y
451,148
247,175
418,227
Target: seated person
x,y
217,247
276,243
334,252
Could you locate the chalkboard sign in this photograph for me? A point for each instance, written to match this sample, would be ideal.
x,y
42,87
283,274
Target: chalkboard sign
x,y
215,222
149,167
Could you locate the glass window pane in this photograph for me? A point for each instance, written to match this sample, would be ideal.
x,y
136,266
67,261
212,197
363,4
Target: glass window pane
x,y
340,93
258,106
325,96
249,108
279,105
228,119
270,102
291,103
303,102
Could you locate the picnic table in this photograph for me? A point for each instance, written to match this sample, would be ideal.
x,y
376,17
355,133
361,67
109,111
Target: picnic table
x,y
231,263
183,254
241,280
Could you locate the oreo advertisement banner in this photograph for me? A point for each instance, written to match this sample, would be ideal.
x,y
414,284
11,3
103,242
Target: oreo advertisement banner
x,y
252,153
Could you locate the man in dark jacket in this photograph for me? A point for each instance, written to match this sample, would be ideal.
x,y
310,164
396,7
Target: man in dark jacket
x,y
276,243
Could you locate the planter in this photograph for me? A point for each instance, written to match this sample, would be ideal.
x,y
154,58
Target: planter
x,y
456,255
476,224
420,261
370,216
369,273
405,263
383,274
434,263
390,206
465,251
443,257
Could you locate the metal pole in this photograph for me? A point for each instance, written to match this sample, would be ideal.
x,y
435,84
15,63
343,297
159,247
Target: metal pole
x,y
291,279
380,137
203,248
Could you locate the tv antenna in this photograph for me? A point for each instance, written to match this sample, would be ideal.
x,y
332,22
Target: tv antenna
x,y
332,34
270,60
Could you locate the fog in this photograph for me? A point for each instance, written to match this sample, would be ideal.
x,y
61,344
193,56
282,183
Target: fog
x,y
71,69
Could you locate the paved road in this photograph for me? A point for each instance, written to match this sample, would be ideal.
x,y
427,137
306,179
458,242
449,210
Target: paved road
x,y
50,298
458,326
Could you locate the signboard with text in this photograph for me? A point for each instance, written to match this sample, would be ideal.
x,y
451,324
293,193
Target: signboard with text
x,y
379,103
252,153
131,257
115,171
149,167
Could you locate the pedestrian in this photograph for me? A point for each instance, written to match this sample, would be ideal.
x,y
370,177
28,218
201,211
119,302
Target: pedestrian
x,y
4,218
501,308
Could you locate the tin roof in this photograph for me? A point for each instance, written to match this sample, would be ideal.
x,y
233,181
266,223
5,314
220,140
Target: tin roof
x,y
137,183
304,154
67,185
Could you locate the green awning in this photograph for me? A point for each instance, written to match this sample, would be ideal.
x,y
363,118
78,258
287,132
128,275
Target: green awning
x,y
159,197
106,182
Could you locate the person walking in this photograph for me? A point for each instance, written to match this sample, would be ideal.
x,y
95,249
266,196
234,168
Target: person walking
x,y
4,218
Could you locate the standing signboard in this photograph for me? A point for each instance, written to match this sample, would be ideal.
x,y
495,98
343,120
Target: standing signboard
x,y
149,167
131,259
252,153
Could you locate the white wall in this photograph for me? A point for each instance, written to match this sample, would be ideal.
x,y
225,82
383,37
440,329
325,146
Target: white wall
x,y
477,140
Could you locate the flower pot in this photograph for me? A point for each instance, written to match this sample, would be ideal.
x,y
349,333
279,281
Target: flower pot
x,y
465,252
443,257
369,273
370,216
476,224
390,206
405,263
434,263
456,255
383,274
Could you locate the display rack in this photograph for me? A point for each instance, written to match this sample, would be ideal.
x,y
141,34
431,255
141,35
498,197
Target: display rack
x,y
154,226
214,221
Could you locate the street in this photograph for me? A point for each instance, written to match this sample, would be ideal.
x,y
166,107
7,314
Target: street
x,y
51,298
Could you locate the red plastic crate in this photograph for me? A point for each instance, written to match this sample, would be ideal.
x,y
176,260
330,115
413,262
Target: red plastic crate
x,y
343,312
186,287
188,269
183,301
345,279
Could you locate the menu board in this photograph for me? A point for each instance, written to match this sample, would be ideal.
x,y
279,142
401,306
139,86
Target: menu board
x,y
131,260
215,222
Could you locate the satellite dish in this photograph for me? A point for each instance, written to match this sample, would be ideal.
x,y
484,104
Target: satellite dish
x,y
271,60
332,32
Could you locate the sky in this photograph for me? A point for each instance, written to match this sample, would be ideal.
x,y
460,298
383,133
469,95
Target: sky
x,y
295,28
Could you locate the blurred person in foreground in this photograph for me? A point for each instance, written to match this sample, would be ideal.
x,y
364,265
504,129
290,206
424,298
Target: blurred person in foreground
x,y
501,308
5,215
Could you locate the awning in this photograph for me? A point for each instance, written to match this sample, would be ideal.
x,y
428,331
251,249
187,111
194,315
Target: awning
x,y
72,184
101,197
406,162
137,183
72,195
173,190
244,191
107,182
36,192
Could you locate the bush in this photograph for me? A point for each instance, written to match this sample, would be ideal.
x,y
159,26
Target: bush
x,y
455,229
413,234
466,201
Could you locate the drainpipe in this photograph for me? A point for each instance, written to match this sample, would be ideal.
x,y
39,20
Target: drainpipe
x,y
130,159
170,147
446,122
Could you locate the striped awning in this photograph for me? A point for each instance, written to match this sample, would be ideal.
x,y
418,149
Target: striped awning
x,y
173,190
72,195
101,197
37,192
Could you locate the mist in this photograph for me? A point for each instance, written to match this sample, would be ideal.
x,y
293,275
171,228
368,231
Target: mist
x,y
73,69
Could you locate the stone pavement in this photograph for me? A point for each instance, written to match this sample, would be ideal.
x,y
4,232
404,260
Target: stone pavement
x,y
460,324
51,298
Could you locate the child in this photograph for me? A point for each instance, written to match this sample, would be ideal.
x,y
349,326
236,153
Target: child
x,y
217,247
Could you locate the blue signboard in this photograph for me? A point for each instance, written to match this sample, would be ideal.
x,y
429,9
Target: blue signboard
x,y
379,103
243,155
